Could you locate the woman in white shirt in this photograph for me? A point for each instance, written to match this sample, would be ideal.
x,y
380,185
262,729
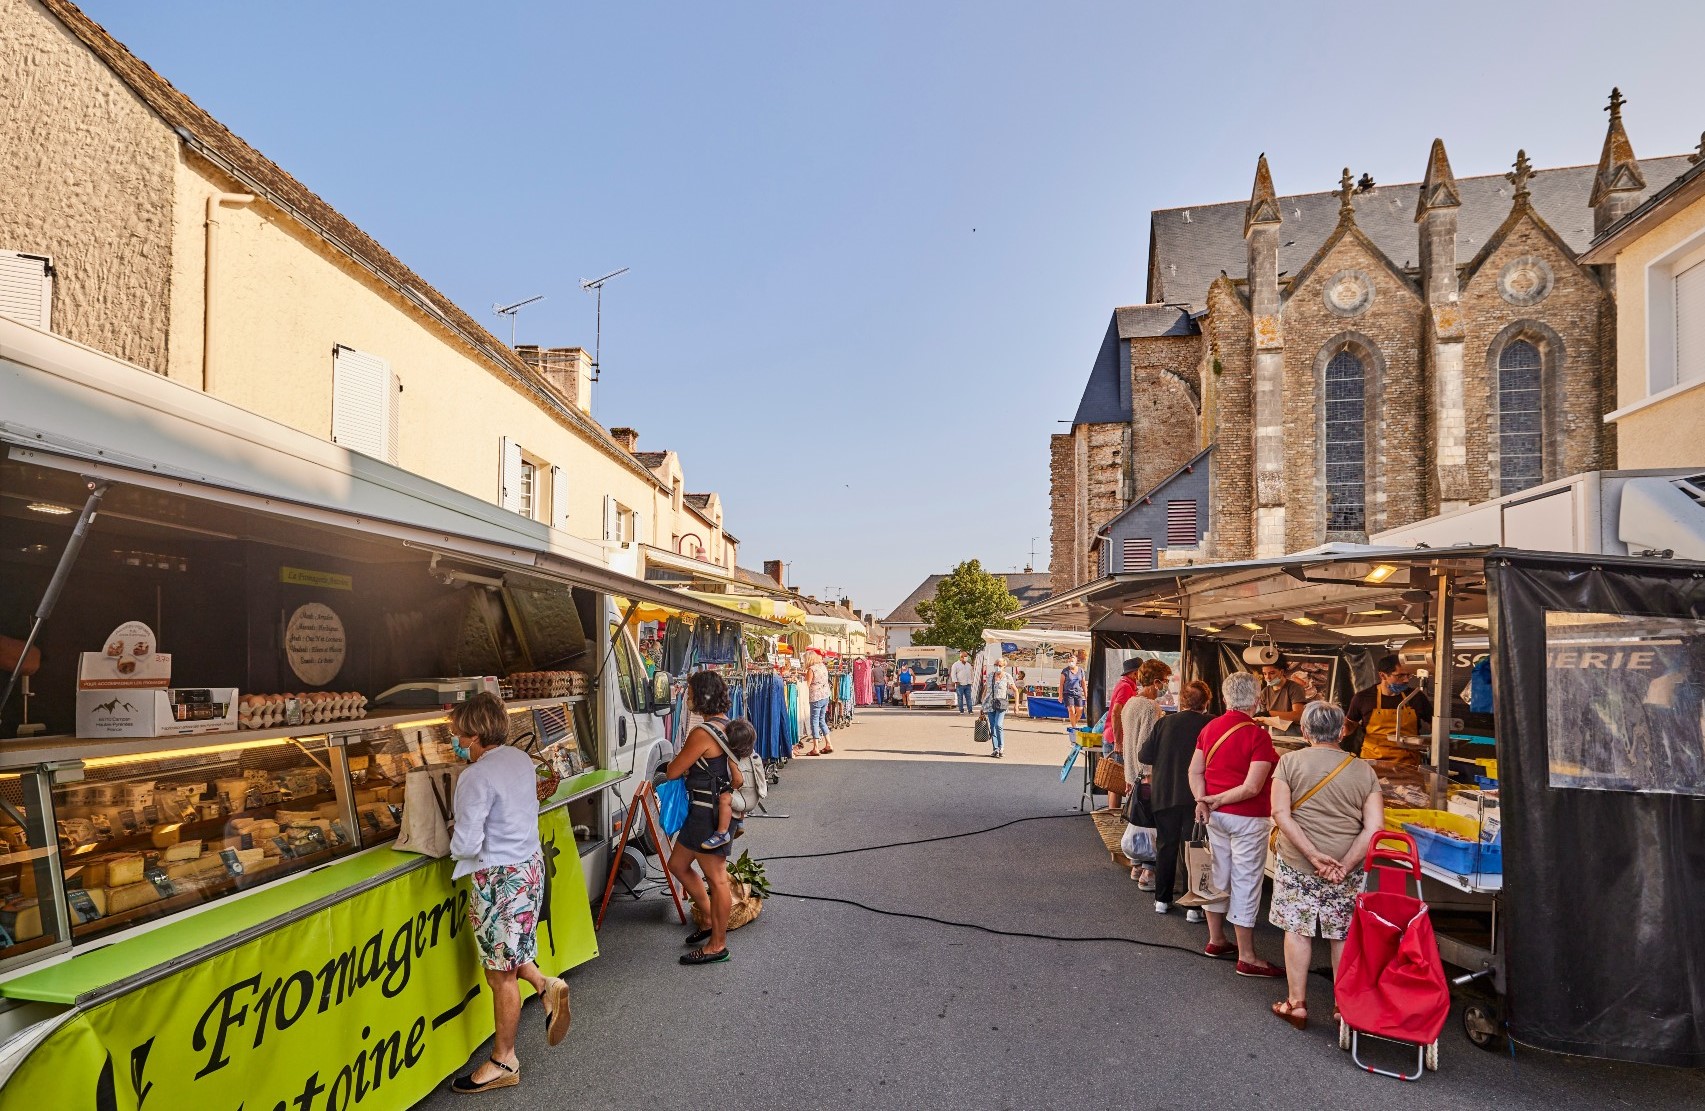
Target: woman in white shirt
x,y
496,842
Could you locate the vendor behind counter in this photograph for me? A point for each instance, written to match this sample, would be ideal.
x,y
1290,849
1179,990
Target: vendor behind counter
x,y
1382,713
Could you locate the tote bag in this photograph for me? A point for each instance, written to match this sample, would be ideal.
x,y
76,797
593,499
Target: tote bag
x,y
429,798
672,805
1199,871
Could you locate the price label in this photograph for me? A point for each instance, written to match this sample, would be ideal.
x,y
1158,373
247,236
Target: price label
x,y
157,876
232,864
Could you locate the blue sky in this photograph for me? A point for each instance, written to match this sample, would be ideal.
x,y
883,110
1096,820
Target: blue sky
x,y
874,246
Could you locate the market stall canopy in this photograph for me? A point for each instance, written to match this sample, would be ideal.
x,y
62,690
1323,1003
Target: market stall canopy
x,y
770,609
1037,637
72,409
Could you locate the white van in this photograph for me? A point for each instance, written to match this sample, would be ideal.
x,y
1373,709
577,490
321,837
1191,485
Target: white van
x,y
931,685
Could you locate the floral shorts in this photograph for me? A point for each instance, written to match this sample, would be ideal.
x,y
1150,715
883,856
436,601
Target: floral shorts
x,y
504,913
1305,904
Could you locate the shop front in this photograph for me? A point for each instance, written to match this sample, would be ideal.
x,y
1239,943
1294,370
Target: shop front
x,y
1556,781
241,639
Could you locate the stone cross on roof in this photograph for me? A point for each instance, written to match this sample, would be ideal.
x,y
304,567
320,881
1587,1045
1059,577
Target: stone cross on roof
x,y
1617,100
1698,155
1346,203
1520,175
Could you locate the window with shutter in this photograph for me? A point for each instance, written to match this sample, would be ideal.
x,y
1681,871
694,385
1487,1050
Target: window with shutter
x,y
1138,554
559,498
529,489
26,288
393,419
509,474
1690,324
1181,527
363,403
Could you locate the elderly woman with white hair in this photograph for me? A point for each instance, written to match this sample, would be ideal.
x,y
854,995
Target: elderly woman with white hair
x,y
1229,779
1328,809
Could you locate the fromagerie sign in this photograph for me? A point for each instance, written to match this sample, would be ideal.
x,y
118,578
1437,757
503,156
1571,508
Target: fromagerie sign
x,y
367,1004
314,643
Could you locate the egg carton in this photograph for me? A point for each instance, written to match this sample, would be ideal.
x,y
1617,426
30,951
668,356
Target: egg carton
x,y
269,711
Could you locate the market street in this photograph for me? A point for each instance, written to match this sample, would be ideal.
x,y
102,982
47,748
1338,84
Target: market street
x,y
826,1005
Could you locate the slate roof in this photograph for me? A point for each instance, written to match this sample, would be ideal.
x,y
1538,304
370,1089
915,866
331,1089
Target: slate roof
x,y
651,459
1159,487
1189,246
1028,588
214,140
697,501
1107,395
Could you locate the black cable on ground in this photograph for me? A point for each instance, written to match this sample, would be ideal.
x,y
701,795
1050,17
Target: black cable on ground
x,y
921,840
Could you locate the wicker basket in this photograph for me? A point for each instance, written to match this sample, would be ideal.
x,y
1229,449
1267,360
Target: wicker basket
x,y
746,908
1110,776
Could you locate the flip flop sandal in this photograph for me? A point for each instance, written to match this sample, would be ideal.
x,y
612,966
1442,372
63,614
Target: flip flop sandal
x,y
506,1078
556,1009
698,937
699,956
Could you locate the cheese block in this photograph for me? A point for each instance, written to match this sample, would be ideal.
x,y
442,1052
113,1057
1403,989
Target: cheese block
x,y
124,869
22,918
91,871
165,836
366,795
263,830
294,817
183,850
194,869
130,896
241,825
251,859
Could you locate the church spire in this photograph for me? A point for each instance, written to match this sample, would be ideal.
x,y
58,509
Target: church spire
x,y
1518,177
1618,183
1438,187
1263,205
1346,198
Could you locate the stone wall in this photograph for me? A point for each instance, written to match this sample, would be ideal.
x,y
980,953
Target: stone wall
x,y
1165,407
88,180
1064,554
1228,360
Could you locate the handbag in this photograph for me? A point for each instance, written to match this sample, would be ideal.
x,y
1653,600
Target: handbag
x,y
1199,871
429,796
1139,807
1110,775
980,731
672,805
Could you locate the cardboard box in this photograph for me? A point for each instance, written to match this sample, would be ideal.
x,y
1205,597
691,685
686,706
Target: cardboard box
x,y
136,712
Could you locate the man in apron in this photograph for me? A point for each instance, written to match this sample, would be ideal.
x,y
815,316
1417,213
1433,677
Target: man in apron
x,y
1383,714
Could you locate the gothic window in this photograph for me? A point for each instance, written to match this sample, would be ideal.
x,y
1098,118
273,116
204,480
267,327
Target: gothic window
x,y
1346,443
1521,456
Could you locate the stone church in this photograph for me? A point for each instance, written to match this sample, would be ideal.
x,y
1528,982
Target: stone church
x,y
1346,362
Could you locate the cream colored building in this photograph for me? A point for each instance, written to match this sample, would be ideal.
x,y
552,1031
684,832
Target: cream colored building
x,y
1658,251
136,223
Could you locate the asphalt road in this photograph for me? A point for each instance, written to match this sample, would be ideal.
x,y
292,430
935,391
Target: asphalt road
x,y
826,1005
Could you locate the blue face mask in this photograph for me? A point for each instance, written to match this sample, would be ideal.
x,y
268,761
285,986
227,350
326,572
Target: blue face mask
x,y
1399,688
461,753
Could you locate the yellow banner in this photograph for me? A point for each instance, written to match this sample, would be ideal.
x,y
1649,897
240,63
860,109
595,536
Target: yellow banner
x,y
327,580
370,1003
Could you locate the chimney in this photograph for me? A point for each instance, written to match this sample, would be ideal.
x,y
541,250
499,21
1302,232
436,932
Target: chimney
x,y
773,568
567,370
627,437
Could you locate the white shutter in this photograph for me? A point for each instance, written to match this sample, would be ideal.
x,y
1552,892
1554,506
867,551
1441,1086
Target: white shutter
x,y
612,521
393,419
361,402
509,474
26,288
559,498
638,531
1690,324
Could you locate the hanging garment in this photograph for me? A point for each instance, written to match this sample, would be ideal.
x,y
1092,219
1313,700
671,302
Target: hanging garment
x,y
677,644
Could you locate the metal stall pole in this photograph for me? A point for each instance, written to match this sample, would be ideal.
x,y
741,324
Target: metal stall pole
x,y
1183,654
1443,682
62,572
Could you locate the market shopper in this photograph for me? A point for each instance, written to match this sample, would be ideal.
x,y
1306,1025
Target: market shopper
x,y
817,692
1328,808
496,843
1167,752
705,766
1071,691
906,686
1229,777
880,677
998,695
1388,710
963,675
1110,771
1137,719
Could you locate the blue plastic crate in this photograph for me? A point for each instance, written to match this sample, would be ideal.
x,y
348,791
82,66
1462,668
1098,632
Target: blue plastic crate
x,y
1491,861
1447,852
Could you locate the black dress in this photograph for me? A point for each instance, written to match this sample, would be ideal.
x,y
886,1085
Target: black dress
x,y
707,780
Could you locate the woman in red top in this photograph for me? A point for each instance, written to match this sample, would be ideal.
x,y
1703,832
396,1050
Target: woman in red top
x,y
1229,777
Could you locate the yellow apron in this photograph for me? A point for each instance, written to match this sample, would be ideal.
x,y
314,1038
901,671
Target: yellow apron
x,y
1382,725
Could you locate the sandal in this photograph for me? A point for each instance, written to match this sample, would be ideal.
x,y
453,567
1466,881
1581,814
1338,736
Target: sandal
x,y
827,749
1294,1012
698,937
699,956
556,1009
507,1077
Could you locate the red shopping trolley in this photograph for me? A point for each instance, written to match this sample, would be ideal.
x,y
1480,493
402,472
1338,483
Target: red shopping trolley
x,y
1391,983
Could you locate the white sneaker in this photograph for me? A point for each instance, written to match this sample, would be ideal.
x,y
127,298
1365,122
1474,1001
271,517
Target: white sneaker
x,y
1194,915
1160,907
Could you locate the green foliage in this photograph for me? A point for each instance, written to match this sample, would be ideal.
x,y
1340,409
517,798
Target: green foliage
x,y
966,602
751,873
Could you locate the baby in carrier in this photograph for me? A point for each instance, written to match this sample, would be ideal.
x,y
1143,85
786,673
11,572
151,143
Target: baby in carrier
x,y
741,738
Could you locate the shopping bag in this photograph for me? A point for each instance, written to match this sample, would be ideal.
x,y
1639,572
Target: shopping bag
x,y
429,799
1138,844
980,731
672,805
1390,980
1199,871
1139,809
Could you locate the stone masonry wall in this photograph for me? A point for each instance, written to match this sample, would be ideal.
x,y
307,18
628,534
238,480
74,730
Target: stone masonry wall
x,y
87,174
1165,407
1573,315
1231,500
1386,334
1064,553
1105,482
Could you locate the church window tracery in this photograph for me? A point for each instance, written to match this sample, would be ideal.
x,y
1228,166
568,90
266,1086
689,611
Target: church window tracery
x,y
1346,443
1521,454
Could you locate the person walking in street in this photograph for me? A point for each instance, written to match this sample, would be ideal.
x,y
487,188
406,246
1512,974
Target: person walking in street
x,y
705,766
496,843
1137,719
906,685
1168,752
1328,808
1229,775
1071,691
998,696
817,693
880,676
963,675
1110,770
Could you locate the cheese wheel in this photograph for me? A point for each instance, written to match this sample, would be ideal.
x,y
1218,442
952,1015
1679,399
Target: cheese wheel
x,y
125,869
131,896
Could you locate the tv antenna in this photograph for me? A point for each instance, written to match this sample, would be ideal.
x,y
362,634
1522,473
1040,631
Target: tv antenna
x,y
597,284
1032,564
512,311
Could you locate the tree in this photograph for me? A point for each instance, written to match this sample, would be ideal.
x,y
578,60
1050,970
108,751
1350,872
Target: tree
x,y
966,602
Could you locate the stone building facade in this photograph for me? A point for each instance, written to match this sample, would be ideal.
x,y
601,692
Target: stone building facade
x,y
1358,359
